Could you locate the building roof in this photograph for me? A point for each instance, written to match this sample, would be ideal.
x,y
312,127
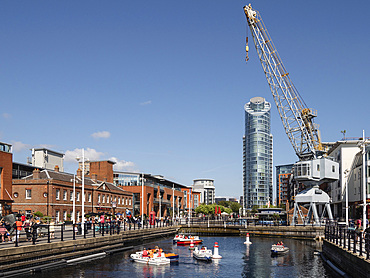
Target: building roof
x,y
67,177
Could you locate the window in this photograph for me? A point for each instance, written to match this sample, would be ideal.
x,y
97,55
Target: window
x,y
333,168
126,202
108,199
64,215
99,198
119,200
71,195
28,193
103,198
57,194
78,196
78,216
129,202
89,197
65,195
57,215
318,167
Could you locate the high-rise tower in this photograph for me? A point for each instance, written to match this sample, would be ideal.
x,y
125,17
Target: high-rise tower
x,y
257,154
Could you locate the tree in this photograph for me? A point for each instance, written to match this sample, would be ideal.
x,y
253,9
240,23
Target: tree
x,y
234,206
39,214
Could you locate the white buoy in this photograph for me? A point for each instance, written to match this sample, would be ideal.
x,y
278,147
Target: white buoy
x,y
247,241
191,245
215,252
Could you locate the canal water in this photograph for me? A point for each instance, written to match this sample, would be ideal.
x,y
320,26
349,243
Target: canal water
x,y
239,260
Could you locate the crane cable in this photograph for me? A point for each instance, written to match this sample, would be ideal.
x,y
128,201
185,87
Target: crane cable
x,y
246,46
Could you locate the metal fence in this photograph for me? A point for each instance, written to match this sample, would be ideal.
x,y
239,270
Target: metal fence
x,y
60,232
353,240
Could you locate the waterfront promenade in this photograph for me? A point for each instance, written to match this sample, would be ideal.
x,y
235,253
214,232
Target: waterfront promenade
x,y
70,245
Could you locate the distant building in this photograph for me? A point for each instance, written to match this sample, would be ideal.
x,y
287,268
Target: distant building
x,y
6,169
206,189
349,155
257,154
160,195
47,159
51,193
283,177
230,199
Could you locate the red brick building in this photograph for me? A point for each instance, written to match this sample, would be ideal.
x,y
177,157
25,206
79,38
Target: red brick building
x,y
51,193
160,195
6,168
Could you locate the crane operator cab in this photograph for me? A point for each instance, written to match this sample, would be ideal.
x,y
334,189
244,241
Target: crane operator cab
x,y
316,171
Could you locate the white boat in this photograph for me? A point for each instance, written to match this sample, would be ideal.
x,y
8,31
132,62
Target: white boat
x,y
278,250
186,240
202,254
155,260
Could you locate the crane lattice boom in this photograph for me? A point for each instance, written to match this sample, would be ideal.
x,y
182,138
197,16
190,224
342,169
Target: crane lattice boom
x,y
297,119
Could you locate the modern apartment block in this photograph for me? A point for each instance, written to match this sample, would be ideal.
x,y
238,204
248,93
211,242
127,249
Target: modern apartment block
x,y
283,177
207,190
257,154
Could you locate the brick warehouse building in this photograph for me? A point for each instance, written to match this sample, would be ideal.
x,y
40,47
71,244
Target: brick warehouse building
x,y
51,193
6,168
160,195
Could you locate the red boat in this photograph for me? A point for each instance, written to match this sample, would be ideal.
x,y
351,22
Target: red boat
x,y
188,241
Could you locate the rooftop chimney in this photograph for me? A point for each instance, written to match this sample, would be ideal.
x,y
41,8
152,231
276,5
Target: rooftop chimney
x,y
36,174
94,177
56,168
79,173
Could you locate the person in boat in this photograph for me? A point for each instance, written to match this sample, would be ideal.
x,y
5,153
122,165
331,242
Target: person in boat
x,y
145,253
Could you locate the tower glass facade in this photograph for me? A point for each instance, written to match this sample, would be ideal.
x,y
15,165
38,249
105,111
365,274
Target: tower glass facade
x,y
257,154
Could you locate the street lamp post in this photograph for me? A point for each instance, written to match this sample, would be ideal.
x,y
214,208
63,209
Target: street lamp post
x,y
142,200
364,181
74,201
83,191
346,174
173,203
160,205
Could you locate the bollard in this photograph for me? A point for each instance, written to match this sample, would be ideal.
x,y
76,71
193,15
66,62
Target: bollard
x,y
48,233
74,231
216,255
93,229
247,241
34,234
61,232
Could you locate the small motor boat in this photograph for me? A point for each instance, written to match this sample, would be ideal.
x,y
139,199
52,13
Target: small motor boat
x,y
202,254
187,240
279,250
153,260
172,256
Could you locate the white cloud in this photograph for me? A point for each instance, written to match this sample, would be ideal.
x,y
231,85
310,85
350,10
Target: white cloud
x,y
101,134
122,165
146,102
19,146
6,115
90,154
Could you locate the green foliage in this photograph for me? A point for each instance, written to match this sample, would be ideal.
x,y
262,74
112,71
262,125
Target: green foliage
x,y
210,209
234,206
39,214
224,203
255,209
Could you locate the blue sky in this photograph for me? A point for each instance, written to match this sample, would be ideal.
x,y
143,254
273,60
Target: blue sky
x,y
160,86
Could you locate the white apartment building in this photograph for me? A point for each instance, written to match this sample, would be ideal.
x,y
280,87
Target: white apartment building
x,y
349,155
207,190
